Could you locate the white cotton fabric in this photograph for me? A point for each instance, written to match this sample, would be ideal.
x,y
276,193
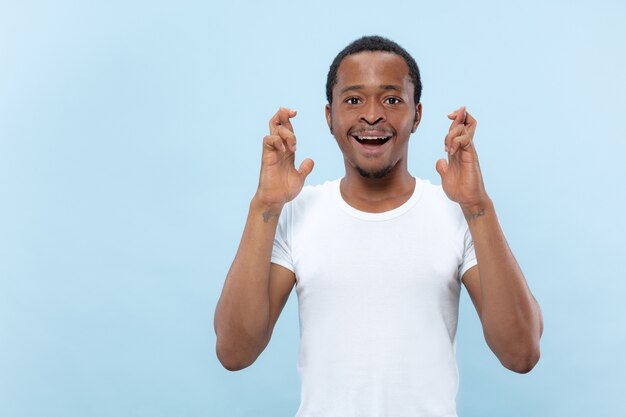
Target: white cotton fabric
x,y
378,297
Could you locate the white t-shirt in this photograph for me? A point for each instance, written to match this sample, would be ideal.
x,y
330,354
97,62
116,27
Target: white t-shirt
x,y
378,297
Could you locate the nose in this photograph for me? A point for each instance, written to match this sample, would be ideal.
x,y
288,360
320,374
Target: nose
x,y
373,112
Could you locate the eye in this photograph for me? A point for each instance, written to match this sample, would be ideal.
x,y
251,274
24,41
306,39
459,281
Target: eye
x,y
392,100
352,100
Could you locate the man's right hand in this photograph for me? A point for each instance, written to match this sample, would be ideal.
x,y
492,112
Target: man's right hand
x,y
255,289
280,182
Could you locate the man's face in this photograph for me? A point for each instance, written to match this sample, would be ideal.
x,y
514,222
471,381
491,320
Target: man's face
x,y
373,112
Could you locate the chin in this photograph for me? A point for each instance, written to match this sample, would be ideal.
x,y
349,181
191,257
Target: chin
x,y
374,173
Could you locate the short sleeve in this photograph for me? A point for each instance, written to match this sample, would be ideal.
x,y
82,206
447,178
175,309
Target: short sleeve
x,y
469,256
281,251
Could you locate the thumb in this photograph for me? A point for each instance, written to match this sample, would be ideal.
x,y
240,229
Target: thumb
x,y
441,167
306,167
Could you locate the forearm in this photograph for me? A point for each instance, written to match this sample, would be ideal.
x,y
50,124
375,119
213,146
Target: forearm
x,y
509,313
242,313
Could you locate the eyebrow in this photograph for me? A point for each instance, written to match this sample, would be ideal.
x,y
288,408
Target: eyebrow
x,y
361,87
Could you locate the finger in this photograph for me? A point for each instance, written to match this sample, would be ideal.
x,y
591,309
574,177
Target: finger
x,y
274,143
441,166
454,114
288,137
306,167
470,122
454,132
457,116
463,141
282,117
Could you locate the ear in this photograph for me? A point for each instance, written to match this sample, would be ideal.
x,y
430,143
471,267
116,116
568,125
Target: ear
x,y
418,117
328,118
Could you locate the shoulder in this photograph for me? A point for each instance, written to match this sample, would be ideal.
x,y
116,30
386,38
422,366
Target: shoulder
x,y
313,194
433,193
319,189
311,199
436,201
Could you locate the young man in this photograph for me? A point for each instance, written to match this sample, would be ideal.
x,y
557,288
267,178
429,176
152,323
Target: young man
x,y
378,256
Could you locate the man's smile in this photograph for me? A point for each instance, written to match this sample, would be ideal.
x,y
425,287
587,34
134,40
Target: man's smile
x,y
372,140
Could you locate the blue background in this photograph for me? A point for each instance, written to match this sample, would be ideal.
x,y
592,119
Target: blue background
x,y
130,142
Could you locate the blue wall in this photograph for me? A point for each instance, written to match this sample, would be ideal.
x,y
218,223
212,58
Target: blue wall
x,y
130,138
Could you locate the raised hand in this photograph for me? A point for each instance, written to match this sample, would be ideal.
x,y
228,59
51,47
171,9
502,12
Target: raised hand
x,y
461,178
280,182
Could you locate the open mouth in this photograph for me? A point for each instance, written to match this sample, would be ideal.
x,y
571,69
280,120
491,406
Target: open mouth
x,y
372,140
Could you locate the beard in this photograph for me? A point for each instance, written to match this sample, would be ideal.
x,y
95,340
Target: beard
x,y
375,174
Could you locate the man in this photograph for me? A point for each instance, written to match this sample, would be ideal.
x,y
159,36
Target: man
x,y
378,256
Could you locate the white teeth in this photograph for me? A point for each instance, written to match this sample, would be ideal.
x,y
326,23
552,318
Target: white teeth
x,y
372,137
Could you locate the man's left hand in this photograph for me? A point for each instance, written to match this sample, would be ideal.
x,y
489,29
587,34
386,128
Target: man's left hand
x,y
460,175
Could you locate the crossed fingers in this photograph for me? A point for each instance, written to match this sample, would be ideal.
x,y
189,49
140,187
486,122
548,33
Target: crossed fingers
x,y
282,117
281,131
461,132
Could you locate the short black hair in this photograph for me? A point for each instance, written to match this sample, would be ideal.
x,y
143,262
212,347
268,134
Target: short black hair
x,y
374,44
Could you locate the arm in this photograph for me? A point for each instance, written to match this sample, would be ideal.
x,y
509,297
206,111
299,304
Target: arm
x,y
255,290
509,313
242,316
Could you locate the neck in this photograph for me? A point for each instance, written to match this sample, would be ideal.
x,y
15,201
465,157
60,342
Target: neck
x,y
376,195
